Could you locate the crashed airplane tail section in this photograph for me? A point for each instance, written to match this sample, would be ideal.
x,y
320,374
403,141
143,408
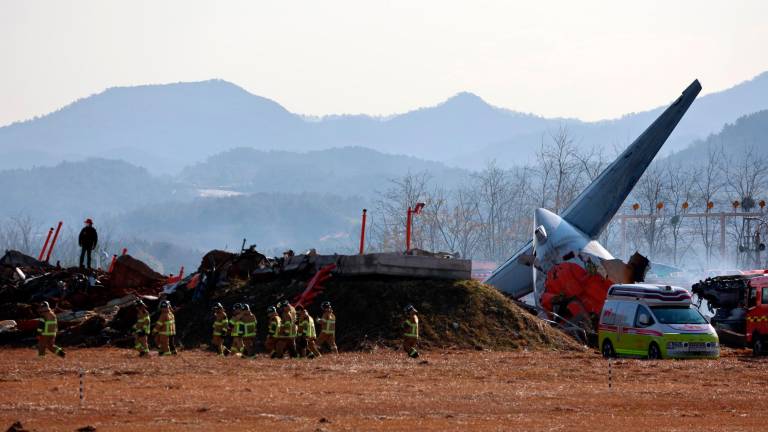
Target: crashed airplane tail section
x,y
598,203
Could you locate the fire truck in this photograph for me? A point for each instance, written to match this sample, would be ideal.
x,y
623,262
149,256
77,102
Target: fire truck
x,y
740,307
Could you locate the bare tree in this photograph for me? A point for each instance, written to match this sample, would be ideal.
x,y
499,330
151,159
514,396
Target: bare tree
x,y
560,170
493,191
18,233
745,175
680,191
707,186
464,224
388,224
650,191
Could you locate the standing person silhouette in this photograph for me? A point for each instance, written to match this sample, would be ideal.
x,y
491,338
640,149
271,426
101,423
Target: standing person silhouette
x,y
87,241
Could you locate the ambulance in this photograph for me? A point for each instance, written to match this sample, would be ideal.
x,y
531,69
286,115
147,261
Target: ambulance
x,y
655,322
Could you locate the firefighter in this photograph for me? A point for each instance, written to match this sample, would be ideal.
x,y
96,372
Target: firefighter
x,y
273,332
172,337
411,331
87,240
46,331
141,329
220,327
327,325
248,321
165,328
306,336
287,335
236,330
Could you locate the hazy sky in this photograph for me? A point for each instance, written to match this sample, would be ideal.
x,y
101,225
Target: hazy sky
x,y
586,59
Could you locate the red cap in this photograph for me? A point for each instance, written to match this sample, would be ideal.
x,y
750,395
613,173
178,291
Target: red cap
x,y
89,221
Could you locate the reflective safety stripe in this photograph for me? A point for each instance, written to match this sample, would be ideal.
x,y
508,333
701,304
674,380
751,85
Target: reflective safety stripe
x,y
220,327
169,327
250,329
142,324
274,327
307,328
329,326
49,328
287,330
413,328
237,327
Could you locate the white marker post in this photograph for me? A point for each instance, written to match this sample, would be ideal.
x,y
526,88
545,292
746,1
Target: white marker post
x,y
82,386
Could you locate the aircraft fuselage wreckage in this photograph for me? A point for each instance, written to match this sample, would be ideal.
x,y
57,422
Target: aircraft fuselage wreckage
x,y
565,268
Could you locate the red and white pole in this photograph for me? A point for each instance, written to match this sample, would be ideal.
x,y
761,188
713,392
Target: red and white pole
x,y
112,264
362,233
53,242
408,230
45,245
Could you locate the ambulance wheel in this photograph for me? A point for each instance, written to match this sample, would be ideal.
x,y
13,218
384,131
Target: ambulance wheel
x,y
608,351
758,347
654,352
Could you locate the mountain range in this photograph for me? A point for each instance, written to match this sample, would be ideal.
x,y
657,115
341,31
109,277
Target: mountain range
x,y
165,128
173,170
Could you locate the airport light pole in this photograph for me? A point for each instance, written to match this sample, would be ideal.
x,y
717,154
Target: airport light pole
x,y
409,223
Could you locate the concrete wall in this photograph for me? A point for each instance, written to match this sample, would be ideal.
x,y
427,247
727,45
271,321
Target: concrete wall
x,y
392,264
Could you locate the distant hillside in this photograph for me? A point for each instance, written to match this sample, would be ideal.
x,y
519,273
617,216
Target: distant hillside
x,y
273,221
160,127
75,190
342,171
748,132
707,115
167,127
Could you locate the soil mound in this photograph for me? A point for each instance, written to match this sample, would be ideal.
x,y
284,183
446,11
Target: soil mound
x,y
453,314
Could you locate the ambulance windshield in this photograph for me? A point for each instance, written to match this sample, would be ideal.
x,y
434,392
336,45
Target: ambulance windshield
x,y
678,315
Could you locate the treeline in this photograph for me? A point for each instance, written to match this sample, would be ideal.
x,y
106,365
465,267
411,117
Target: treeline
x,y
490,216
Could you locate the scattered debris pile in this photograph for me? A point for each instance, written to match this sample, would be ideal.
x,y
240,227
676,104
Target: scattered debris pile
x,y
84,301
96,308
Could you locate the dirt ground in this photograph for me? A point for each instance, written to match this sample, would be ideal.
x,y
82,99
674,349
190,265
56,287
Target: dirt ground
x,y
383,390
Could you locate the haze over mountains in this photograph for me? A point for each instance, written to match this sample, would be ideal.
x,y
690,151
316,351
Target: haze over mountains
x,y
165,128
144,161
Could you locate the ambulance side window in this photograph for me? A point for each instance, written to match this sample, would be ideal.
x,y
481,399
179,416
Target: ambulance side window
x,y
609,313
752,300
642,310
626,314
764,295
